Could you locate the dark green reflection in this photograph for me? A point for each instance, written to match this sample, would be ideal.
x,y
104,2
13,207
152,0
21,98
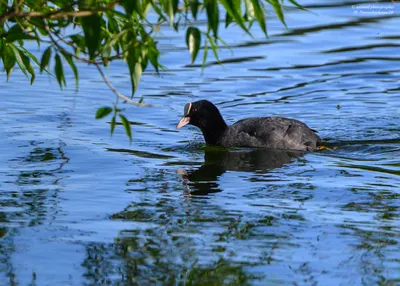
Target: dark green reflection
x,y
31,197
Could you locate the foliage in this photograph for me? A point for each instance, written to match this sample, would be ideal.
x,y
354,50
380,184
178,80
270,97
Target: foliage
x,y
98,32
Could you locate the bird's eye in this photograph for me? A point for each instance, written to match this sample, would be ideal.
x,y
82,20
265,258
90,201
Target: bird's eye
x,y
194,109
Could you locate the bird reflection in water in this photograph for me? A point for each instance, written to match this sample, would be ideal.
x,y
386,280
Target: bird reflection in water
x,y
203,181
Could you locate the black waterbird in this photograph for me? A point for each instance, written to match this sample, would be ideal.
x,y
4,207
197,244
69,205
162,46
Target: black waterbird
x,y
266,132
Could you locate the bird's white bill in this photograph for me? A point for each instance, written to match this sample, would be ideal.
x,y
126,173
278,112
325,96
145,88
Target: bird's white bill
x,y
183,122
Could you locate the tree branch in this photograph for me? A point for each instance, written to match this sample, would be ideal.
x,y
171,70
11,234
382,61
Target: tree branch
x,y
55,15
123,97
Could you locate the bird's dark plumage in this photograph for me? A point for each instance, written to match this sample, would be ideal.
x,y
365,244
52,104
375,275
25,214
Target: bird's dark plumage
x,y
267,132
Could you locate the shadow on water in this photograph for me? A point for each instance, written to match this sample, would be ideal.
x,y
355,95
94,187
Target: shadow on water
x,y
217,161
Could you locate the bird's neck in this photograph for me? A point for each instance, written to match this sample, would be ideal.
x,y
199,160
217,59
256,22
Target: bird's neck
x,y
213,132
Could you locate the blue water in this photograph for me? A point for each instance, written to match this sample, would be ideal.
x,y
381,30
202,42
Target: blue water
x,y
80,207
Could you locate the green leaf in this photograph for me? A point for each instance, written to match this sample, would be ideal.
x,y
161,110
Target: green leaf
x,y
112,24
146,4
71,63
203,65
127,126
103,112
193,39
19,60
9,59
62,3
237,7
15,33
59,71
153,57
212,15
259,14
113,123
249,13
30,55
234,14
44,63
226,45
157,10
129,5
112,41
85,4
165,5
27,63
14,29
228,19
278,10
39,24
194,6
79,42
13,36
138,74
170,7
3,7
92,29
135,70
176,24
298,5
37,36
214,47
23,62
106,54
144,59
132,6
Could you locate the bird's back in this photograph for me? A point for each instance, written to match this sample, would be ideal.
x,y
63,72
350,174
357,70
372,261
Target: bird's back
x,y
270,132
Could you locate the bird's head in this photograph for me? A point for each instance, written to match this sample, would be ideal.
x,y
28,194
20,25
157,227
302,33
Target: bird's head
x,y
201,114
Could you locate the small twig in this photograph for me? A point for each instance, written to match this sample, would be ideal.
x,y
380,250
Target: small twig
x,y
65,41
47,28
123,97
118,56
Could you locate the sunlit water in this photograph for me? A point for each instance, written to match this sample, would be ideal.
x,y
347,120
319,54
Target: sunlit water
x,y
80,207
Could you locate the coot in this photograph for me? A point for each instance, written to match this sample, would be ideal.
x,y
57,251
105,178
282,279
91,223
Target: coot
x,y
267,132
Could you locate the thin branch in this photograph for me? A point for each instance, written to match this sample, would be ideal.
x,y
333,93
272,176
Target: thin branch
x,y
109,59
55,15
123,97
64,40
62,48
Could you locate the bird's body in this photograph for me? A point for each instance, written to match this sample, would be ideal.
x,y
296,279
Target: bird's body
x,y
270,132
266,132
